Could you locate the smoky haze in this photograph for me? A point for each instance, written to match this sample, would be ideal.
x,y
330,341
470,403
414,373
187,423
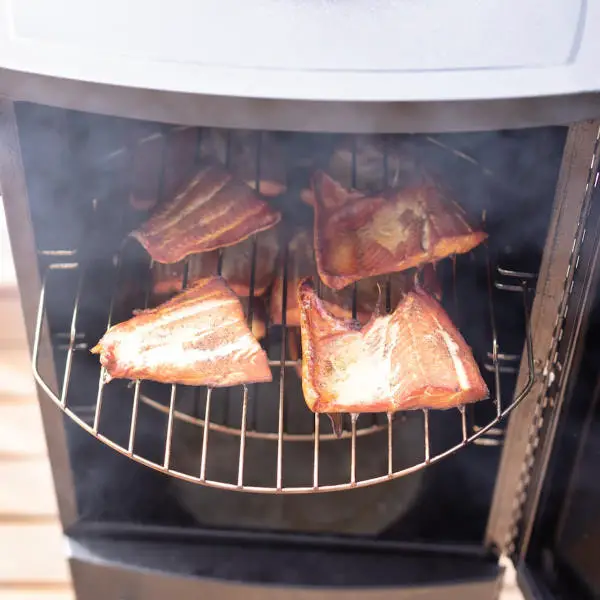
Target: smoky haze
x,y
505,179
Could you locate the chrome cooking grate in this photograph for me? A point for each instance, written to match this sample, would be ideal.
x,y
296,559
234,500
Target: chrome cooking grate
x,y
212,429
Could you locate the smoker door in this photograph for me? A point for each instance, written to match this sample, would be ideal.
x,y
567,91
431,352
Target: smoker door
x,y
125,568
546,513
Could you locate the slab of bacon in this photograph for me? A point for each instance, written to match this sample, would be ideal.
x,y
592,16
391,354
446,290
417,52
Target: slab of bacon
x,y
161,162
145,170
199,337
212,210
259,316
237,263
359,236
250,156
294,349
373,163
235,268
167,281
301,264
410,359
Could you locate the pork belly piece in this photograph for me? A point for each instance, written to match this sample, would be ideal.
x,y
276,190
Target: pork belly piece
x,y
179,159
250,155
259,316
413,358
161,162
364,236
371,292
235,268
373,163
143,165
301,264
212,210
199,337
167,281
237,263
294,349
427,278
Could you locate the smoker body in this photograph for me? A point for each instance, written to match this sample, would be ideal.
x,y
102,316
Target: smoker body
x,y
134,532
385,68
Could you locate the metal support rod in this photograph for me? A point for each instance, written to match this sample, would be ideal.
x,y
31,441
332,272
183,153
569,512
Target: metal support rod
x,y
168,440
426,435
72,337
316,453
240,477
463,418
353,419
137,384
390,429
281,415
205,435
495,357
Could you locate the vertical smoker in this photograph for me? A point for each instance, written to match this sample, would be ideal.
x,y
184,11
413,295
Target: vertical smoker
x,y
243,491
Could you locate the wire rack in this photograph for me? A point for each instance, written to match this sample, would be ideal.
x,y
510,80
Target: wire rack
x,y
316,442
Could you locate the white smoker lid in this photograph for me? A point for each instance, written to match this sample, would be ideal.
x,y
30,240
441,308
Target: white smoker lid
x,y
346,50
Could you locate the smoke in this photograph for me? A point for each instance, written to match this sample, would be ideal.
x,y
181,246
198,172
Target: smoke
x,y
505,178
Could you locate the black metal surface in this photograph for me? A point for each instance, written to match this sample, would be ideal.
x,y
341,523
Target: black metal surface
x,y
530,586
111,488
272,571
557,538
16,205
570,198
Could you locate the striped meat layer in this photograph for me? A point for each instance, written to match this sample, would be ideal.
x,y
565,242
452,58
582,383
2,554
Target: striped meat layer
x,y
413,358
236,267
212,210
199,337
301,264
358,236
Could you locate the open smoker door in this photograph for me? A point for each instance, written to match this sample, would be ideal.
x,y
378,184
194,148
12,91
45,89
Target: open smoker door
x,y
546,510
109,573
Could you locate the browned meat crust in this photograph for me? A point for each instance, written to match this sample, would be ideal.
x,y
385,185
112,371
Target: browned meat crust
x,y
413,358
359,236
212,210
199,337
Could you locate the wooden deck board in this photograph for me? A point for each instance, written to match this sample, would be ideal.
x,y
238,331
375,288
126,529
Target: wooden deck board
x,y
21,430
36,594
30,492
36,554
33,564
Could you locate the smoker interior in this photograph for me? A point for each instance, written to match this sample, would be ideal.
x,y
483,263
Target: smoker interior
x,y
79,168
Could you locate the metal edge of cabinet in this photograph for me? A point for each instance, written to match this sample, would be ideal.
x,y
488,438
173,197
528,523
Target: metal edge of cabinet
x,y
564,275
299,115
16,206
111,569
531,587
570,335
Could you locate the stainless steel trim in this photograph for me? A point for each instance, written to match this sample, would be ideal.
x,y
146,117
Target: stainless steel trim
x,y
16,206
579,164
294,115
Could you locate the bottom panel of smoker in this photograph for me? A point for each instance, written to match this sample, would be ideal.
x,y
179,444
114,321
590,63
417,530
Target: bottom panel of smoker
x,y
133,570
